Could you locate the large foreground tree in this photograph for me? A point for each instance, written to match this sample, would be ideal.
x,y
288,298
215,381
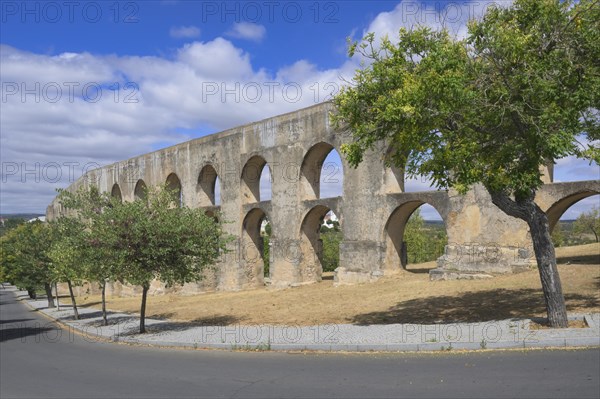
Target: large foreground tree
x,y
520,91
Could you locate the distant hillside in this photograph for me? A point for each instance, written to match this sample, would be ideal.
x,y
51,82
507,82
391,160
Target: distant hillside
x,y
25,216
433,223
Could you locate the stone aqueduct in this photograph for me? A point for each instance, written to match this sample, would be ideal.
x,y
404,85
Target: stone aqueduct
x,y
373,209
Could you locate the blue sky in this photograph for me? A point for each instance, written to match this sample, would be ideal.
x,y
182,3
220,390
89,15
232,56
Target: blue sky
x,y
162,69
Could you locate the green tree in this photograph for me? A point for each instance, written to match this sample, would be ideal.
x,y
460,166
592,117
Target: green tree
x,y
520,91
416,240
331,237
68,255
25,260
266,256
9,224
87,232
152,239
588,222
558,238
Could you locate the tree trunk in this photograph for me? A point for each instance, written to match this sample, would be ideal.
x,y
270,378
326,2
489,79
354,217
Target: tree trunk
x,y
75,312
527,210
57,300
145,289
48,290
104,304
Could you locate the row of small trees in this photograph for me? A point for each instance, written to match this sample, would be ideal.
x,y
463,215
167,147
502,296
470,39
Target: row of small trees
x,y
103,239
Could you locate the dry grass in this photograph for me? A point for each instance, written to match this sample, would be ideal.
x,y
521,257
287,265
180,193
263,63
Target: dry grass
x,y
408,297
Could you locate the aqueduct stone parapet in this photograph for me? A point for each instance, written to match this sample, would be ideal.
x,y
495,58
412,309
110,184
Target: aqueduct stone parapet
x,y
373,208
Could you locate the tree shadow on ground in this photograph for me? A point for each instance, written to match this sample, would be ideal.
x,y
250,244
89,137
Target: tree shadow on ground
x,y
473,307
593,259
90,304
418,270
218,321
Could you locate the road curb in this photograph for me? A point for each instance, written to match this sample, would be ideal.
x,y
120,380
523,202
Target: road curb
x,y
565,341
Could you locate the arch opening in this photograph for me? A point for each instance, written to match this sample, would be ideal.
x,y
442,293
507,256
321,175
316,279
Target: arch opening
x,y
174,184
575,219
208,187
256,180
254,254
558,210
415,236
321,235
115,192
141,191
218,191
321,173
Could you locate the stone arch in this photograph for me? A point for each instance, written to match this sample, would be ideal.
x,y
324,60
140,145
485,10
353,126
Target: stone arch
x,y
557,209
173,183
252,248
251,178
115,192
396,256
311,169
311,245
141,190
207,186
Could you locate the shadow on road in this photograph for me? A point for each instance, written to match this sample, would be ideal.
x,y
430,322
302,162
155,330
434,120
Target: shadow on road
x,y
21,331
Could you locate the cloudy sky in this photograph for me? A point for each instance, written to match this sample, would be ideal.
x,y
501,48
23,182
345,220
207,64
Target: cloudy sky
x,y
88,83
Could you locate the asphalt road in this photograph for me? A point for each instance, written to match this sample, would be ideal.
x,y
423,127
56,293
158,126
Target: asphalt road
x,y
38,359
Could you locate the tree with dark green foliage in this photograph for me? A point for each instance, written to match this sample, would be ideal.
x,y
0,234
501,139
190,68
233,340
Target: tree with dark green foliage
x,y
24,259
153,239
331,237
68,255
9,224
416,240
266,255
521,90
96,262
558,238
588,222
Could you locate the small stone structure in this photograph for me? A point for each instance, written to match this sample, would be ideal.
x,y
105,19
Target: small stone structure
x,y
373,209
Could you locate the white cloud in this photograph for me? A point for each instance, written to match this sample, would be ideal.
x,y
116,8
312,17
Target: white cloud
x,y
212,84
580,207
434,14
184,32
248,31
218,59
47,119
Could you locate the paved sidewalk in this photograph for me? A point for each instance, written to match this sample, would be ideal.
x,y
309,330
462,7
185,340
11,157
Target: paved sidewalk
x,y
509,333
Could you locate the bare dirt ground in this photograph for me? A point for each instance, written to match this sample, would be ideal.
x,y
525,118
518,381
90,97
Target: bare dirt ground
x,y
408,297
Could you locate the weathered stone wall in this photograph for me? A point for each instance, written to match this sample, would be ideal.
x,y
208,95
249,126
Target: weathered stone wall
x,y
372,210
